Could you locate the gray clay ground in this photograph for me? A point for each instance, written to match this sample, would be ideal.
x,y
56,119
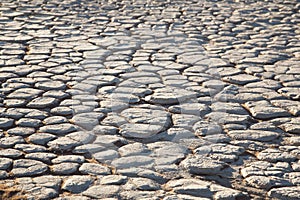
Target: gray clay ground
x,y
166,99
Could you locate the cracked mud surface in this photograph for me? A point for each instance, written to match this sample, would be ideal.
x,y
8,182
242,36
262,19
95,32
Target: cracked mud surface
x,y
130,99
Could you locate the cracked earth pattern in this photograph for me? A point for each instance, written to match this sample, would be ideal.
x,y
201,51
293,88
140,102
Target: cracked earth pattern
x,y
156,99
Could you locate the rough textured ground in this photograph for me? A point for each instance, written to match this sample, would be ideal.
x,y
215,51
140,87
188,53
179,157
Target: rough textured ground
x,y
134,99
